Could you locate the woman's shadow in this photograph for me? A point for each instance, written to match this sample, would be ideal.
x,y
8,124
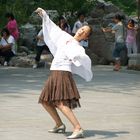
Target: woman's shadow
x,y
104,134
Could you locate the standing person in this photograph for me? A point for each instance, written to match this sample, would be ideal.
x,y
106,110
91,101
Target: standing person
x,y
131,37
39,48
7,46
78,24
119,31
60,90
63,24
12,25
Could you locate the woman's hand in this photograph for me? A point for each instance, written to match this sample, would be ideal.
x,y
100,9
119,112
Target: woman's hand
x,y
39,11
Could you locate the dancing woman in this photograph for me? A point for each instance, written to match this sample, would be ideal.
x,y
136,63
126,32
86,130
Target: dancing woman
x,y
60,90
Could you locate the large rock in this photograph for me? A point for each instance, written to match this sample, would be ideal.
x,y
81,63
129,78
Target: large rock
x,y
28,33
22,61
102,44
35,19
134,59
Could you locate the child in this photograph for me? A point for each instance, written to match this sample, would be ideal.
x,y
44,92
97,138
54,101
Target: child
x,y
118,29
131,37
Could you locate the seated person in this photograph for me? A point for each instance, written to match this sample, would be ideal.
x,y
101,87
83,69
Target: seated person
x,y
39,48
7,46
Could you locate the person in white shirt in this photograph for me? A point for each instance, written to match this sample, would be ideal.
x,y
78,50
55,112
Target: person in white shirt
x,y
39,48
78,24
60,90
7,46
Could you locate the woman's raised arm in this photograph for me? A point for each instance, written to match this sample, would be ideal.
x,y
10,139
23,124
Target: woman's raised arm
x,y
52,32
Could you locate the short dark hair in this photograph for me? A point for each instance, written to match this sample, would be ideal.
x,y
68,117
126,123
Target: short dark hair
x,y
132,22
119,17
80,14
5,30
7,15
60,18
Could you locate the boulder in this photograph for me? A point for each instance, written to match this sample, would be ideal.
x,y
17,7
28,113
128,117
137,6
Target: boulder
x,y
134,59
23,49
102,44
35,19
28,33
22,61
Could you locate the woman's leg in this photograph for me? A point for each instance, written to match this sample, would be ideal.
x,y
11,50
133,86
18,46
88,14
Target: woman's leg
x,y
39,50
116,55
70,116
53,113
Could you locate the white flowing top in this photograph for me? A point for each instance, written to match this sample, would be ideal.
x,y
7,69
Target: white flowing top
x,y
68,54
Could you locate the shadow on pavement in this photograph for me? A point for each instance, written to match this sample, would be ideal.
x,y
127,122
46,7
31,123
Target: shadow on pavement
x,y
103,134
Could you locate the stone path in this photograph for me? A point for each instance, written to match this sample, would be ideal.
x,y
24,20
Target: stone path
x,y
110,105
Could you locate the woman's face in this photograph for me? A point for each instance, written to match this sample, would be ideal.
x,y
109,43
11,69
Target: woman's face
x,y
4,35
8,18
130,24
82,18
115,20
83,32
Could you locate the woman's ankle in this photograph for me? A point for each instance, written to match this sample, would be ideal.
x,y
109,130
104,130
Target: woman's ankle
x,y
77,128
59,124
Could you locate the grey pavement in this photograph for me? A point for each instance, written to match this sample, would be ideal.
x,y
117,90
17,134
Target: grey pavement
x,y
110,105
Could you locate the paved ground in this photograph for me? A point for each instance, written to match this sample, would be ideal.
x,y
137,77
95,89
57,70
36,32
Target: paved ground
x,y
110,105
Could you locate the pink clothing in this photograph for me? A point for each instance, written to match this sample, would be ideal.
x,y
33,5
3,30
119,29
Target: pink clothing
x,y
13,29
131,36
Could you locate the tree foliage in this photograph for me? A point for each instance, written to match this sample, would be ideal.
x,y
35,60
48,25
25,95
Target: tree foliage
x,y
22,9
128,6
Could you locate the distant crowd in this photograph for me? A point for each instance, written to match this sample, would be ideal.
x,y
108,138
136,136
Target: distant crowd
x,y
125,36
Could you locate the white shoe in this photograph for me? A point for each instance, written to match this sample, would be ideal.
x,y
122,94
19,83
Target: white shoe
x,y
77,134
61,128
34,66
5,63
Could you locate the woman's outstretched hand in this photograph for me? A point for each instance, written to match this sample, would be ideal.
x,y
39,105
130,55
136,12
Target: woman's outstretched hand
x,y
39,11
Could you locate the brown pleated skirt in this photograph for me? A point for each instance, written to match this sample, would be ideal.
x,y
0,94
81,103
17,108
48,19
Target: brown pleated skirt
x,y
60,88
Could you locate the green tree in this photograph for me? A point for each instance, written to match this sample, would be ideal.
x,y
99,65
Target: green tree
x,y
128,6
22,9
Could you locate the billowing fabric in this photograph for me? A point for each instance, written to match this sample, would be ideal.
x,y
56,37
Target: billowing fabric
x,y
73,58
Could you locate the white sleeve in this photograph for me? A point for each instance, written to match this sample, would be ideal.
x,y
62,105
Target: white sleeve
x,y
40,33
81,63
54,37
11,40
